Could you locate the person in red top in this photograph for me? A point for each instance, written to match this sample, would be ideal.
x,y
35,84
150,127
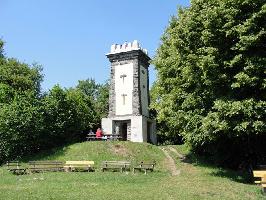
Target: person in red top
x,y
99,133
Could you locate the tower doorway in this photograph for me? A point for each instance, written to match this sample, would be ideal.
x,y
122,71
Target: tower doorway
x,y
149,125
123,129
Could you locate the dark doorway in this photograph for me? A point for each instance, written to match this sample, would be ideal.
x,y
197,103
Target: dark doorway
x,y
124,131
149,132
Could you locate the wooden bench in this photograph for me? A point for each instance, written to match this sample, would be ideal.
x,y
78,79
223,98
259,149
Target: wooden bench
x,y
42,166
261,175
145,165
116,165
15,167
79,165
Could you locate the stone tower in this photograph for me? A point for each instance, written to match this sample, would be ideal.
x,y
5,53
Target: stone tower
x,y
129,94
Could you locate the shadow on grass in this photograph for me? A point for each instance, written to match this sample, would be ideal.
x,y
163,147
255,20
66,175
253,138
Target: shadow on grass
x,y
237,176
50,154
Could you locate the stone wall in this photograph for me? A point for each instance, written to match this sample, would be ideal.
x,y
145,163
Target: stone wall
x,y
137,57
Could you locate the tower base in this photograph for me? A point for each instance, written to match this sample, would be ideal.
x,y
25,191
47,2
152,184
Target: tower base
x,y
131,128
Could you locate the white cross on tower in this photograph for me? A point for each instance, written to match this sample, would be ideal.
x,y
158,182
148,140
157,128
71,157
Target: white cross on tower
x,y
124,98
123,77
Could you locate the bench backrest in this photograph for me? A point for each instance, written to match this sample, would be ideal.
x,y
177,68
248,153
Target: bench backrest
x,y
262,167
46,164
259,173
147,164
12,164
86,162
122,163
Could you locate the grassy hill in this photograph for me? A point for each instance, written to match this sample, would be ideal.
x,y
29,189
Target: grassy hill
x,y
195,181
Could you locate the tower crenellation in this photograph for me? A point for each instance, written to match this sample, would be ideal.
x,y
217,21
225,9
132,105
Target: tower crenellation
x,y
127,46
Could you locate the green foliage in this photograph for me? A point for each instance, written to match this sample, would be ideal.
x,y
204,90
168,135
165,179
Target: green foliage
x,y
20,107
19,76
1,49
31,121
211,77
20,126
98,94
68,113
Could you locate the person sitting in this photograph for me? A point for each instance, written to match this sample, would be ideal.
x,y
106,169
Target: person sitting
x,y
91,132
90,136
99,133
104,138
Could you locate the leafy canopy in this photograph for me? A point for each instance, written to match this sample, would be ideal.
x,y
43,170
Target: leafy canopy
x,y
31,121
211,67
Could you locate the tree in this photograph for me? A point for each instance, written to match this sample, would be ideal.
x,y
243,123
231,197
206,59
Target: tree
x,y
1,49
20,77
211,86
99,95
31,121
70,113
102,103
21,124
20,110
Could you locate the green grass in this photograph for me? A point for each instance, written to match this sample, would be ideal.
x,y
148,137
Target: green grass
x,y
195,181
99,151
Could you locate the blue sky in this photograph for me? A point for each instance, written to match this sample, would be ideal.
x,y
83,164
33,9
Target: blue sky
x,y
70,38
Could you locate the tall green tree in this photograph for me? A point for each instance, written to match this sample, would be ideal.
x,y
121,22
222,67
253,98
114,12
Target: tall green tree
x,y
31,121
67,114
1,49
20,107
21,124
211,86
99,95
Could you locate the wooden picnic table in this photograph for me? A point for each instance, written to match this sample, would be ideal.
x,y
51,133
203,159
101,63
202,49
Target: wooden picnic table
x,y
92,137
112,136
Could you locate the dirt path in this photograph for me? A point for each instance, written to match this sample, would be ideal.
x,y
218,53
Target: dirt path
x,y
170,163
179,155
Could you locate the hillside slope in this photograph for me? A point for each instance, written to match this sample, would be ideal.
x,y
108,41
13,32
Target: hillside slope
x,y
193,182
99,151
